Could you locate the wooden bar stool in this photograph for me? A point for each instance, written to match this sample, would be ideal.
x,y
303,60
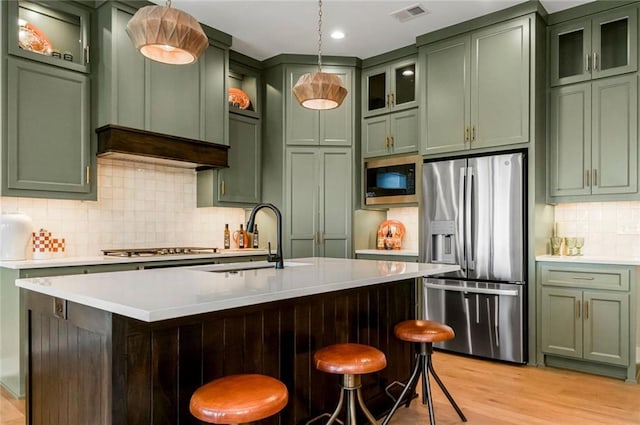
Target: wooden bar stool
x,y
424,333
351,361
238,399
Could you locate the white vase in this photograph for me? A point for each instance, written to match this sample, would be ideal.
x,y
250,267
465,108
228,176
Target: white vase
x,y
15,236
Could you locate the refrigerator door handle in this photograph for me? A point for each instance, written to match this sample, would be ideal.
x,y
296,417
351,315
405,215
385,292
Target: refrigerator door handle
x,y
506,292
461,219
468,214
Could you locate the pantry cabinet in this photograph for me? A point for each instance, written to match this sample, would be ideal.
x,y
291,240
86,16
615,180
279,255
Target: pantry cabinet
x,y
318,202
586,316
390,87
48,149
333,127
593,146
476,89
601,45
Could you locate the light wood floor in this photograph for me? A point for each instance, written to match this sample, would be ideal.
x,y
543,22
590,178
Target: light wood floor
x,y
492,393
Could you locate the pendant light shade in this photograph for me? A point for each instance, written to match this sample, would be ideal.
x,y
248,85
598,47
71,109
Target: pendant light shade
x,y
319,90
167,35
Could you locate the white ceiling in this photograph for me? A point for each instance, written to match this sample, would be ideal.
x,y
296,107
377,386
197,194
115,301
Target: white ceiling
x,y
264,28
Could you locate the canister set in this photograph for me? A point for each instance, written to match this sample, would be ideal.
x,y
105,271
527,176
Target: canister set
x,y
17,239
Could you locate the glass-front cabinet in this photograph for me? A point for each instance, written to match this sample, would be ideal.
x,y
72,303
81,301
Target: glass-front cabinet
x,y
56,33
390,87
596,47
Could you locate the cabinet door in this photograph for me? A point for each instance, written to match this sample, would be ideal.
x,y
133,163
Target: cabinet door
x,y
615,42
48,136
615,135
606,327
570,140
404,131
404,90
173,99
375,88
500,85
121,97
214,74
335,203
570,52
301,124
375,136
241,181
301,214
561,311
336,125
446,102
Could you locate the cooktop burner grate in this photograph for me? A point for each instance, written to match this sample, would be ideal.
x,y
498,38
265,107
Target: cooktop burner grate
x,y
149,252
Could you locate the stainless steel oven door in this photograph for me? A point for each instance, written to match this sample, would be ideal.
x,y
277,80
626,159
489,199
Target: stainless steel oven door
x,y
487,318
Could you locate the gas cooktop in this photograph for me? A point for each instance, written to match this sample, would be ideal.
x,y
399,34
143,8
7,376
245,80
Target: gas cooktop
x,y
149,252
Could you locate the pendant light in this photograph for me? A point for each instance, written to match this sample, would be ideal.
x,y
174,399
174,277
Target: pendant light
x,y
319,90
167,35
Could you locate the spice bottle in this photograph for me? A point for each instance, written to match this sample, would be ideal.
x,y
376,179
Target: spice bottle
x,y
227,237
256,240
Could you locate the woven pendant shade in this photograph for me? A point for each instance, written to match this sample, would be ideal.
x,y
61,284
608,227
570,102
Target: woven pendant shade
x,y
167,35
319,90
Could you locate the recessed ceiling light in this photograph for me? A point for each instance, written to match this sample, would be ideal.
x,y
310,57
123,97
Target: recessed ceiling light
x,y
337,35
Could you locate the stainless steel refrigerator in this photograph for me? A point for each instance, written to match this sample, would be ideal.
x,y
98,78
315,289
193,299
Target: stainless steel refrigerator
x,y
473,214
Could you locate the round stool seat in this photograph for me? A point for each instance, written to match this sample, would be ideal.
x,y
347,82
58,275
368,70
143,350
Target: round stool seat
x,y
349,359
238,399
423,331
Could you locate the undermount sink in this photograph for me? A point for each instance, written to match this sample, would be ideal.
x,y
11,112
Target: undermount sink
x,y
239,267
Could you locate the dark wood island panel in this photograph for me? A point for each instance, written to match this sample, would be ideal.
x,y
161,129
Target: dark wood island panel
x,y
96,367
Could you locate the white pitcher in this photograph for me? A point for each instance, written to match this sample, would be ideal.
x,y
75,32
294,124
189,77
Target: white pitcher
x,y
15,236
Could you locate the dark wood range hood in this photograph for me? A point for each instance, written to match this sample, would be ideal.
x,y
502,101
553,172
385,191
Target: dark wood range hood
x,y
145,146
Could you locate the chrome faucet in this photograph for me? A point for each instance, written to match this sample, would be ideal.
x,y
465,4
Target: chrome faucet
x,y
271,258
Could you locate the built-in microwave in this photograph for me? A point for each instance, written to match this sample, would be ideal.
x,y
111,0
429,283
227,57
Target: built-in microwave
x,y
391,180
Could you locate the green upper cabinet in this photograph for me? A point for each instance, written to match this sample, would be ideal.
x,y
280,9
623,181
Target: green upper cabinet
x,y
390,87
593,146
55,33
477,89
304,126
391,133
598,46
48,148
318,222
188,101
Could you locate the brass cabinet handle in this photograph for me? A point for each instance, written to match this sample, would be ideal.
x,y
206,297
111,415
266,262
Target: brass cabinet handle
x,y
473,133
466,133
388,100
391,140
393,99
586,178
587,62
595,177
386,142
88,175
582,278
577,309
586,309
222,187
595,61
86,54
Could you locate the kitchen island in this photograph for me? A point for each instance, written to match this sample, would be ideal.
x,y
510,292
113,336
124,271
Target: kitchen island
x,y
130,347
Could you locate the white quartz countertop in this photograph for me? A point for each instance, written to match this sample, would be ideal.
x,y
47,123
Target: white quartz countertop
x,y
159,294
103,259
404,252
622,261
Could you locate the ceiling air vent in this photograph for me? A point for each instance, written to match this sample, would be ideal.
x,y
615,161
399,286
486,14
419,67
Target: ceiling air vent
x,y
410,12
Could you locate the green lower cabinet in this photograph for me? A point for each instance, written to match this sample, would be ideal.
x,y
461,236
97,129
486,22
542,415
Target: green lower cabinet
x,y
393,133
593,140
586,318
318,208
48,144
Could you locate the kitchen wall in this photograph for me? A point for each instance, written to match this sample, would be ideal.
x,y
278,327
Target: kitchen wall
x,y
409,217
139,205
610,229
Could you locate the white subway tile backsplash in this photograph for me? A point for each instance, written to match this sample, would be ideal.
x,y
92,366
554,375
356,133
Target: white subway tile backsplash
x,y
609,228
138,205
